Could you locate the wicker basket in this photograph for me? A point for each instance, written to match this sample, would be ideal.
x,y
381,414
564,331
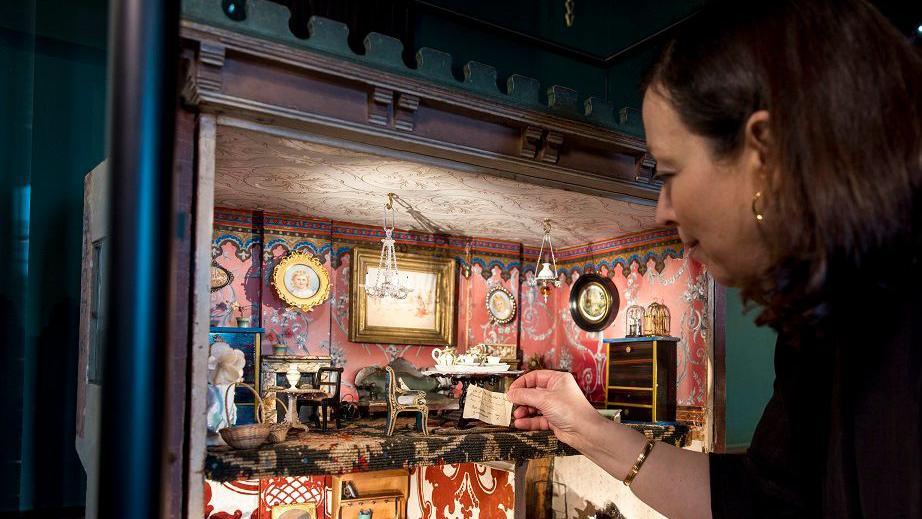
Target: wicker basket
x,y
247,436
279,431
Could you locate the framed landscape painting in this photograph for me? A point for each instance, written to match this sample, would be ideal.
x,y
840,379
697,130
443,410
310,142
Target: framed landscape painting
x,y
425,316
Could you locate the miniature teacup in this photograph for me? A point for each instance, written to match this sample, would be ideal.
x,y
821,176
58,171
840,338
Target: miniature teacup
x,y
466,358
443,357
492,359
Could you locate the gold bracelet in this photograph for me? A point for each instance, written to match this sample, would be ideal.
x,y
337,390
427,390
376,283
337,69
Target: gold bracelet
x,y
639,463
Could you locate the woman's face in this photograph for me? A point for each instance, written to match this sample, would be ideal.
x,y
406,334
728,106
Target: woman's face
x,y
709,201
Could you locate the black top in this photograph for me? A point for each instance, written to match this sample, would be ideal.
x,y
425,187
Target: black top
x,y
840,436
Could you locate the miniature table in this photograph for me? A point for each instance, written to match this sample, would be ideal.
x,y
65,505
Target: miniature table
x,y
465,377
293,394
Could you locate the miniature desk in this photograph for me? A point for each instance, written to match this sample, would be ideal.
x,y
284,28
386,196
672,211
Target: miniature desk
x,y
465,378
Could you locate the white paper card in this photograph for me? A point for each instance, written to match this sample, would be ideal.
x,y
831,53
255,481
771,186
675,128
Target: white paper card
x,y
487,406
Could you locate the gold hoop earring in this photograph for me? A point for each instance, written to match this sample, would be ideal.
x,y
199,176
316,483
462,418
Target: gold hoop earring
x,y
756,211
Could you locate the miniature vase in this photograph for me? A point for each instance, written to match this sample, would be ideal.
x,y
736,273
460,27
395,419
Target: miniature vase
x,y
293,376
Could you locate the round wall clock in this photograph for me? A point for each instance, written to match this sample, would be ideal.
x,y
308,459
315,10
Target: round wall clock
x,y
594,302
301,281
500,304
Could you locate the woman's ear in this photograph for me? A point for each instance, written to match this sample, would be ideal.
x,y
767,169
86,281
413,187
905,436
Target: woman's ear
x,y
758,139
756,157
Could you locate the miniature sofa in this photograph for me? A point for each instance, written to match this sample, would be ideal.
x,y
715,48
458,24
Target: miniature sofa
x,y
371,383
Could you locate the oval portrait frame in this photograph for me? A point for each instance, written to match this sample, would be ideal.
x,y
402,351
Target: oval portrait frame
x,y
612,301
305,304
220,276
511,299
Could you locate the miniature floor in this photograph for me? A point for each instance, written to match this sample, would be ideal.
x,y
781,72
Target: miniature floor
x,y
362,446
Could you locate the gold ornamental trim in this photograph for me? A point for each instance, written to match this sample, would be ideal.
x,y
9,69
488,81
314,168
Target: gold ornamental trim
x,y
301,281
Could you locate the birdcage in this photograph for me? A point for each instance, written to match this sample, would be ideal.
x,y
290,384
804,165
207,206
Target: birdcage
x,y
656,320
633,321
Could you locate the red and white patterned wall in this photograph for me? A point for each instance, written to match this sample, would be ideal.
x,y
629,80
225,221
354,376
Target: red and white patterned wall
x,y
645,267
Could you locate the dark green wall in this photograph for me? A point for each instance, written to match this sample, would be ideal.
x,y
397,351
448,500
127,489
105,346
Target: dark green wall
x,y
56,98
600,29
749,371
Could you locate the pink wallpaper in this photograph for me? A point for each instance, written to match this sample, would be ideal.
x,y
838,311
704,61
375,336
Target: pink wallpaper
x,y
645,267
242,236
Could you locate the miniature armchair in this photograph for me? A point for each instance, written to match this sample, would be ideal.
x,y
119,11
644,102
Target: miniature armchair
x,y
401,399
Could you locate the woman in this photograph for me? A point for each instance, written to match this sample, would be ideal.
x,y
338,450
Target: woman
x,y
788,138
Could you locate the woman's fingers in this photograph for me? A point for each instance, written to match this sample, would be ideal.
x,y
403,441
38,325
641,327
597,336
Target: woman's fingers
x,y
524,411
540,378
535,423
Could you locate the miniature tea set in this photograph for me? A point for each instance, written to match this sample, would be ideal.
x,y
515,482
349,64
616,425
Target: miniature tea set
x,y
475,360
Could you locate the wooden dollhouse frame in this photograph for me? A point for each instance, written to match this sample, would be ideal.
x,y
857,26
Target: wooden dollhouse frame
x,y
238,78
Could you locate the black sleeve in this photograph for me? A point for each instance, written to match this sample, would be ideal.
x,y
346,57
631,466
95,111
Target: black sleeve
x,y
731,488
770,478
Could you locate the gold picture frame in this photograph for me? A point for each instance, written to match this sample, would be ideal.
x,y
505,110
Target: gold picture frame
x,y
301,281
500,304
295,511
425,317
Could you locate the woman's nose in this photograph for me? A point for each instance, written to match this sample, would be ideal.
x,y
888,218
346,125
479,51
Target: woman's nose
x,y
665,215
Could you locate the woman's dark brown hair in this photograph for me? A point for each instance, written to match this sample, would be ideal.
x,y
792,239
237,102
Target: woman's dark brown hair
x,y
843,90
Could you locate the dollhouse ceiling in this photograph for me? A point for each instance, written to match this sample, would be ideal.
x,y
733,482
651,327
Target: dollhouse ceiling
x,y
259,171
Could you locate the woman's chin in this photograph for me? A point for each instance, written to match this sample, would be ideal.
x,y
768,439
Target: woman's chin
x,y
722,276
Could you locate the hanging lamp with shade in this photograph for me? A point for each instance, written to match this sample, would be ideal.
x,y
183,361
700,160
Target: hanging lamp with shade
x,y
545,278
387,281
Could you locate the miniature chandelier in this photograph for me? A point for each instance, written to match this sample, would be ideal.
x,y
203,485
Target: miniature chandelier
x,y
387,281
546,278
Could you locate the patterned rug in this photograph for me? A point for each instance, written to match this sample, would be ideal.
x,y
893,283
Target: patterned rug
x,y
362,446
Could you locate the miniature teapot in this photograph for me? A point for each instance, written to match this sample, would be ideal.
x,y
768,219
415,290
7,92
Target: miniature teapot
x,y
444,356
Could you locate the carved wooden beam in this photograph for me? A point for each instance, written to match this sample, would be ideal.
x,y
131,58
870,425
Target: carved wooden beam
x,y
531,142
405,116
540,144
274,86
205,71
380,106
550,148
392,109
644,165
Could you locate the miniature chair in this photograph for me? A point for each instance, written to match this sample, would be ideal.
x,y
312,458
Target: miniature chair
x,y
330,380
401,400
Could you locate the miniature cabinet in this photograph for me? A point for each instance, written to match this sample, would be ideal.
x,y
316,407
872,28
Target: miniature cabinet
x,y
383,492
641,378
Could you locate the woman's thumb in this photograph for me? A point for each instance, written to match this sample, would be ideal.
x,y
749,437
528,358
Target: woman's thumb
x,y
532,397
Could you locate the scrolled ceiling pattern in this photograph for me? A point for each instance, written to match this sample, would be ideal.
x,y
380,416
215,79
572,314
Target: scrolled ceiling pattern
x,y
266,172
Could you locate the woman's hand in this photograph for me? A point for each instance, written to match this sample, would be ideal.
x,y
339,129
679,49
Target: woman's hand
x,y
551,400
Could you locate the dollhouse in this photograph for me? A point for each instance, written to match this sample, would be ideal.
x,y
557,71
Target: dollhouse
x,y
290,146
